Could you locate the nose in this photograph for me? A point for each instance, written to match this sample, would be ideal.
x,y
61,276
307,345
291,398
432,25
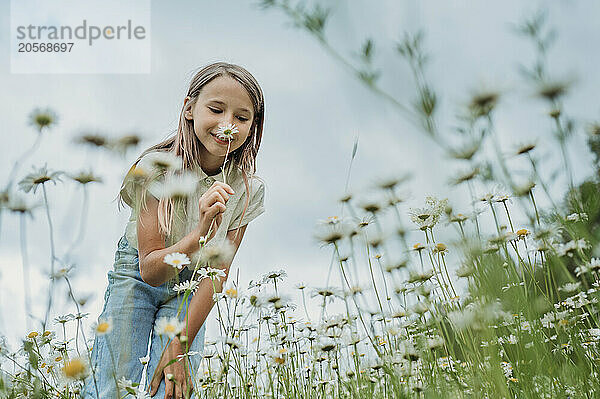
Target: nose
x,y
228,118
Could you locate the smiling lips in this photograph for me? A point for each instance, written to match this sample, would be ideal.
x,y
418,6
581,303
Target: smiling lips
x,y
222,142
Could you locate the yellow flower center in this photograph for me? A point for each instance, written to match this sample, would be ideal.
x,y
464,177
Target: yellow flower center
x,y
170,328
74,368
103,327
231,292
522,232
563,322
32,334
279,360
440,247
137,172
418,246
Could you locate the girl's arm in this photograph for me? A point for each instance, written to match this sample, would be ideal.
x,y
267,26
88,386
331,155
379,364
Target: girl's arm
x,y
151,243
198,309
202,301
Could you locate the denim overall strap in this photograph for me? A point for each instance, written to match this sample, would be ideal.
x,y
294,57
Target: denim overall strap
x,y
126,257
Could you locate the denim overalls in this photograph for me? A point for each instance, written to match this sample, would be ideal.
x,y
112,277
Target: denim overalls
x,y
133,306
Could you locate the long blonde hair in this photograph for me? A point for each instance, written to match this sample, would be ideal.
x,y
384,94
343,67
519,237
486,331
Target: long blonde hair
x,y
185,144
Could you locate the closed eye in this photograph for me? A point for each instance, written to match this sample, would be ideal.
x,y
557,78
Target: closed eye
x,y
242,119
215,110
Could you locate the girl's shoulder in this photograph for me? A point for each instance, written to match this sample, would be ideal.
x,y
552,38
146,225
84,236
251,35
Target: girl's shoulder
x,y
142,173
255,182
250,202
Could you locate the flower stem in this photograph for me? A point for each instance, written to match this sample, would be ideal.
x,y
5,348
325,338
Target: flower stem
x,y
24,259
52,257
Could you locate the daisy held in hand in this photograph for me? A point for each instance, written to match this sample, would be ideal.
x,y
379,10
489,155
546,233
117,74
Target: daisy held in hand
x,y
224,134
227,132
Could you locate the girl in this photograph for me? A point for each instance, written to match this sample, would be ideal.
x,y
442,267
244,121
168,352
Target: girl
x,y
218,137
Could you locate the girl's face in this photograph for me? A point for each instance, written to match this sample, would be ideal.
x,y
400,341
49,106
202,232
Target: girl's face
x,y
221,101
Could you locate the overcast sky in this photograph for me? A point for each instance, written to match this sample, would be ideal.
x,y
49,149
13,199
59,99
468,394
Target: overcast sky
x,y
314,110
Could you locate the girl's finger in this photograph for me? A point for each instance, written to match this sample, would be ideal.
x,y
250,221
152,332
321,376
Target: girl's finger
x,y
215,209
168,389
219,190
155,383
226,186
212,199
207,201
217,196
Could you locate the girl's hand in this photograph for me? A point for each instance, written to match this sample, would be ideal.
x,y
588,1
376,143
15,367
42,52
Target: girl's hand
x,y
211,207
180,385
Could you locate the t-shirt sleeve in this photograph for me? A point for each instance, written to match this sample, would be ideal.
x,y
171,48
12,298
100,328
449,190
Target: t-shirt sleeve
x,y
128,188
136,184
255,205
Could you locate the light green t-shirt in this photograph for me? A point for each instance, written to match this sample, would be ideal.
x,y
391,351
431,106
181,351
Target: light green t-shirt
x,y
184,221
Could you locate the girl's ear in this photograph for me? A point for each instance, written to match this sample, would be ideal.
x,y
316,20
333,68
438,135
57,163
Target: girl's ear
x,y
187,109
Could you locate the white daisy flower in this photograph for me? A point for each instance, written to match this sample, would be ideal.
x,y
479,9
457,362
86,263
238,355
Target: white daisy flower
x,y
429,215
75,369
140,171
227,132
18,203
577,217
176,186
103,327
177,260
525,147
191,285
123,143
92,139
217,254
274,276
42,118
142,394
570,287
169,326
163,160
435,342
230,289
125,384
189,354
326,344
211,273
327,293
37,177
84,177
